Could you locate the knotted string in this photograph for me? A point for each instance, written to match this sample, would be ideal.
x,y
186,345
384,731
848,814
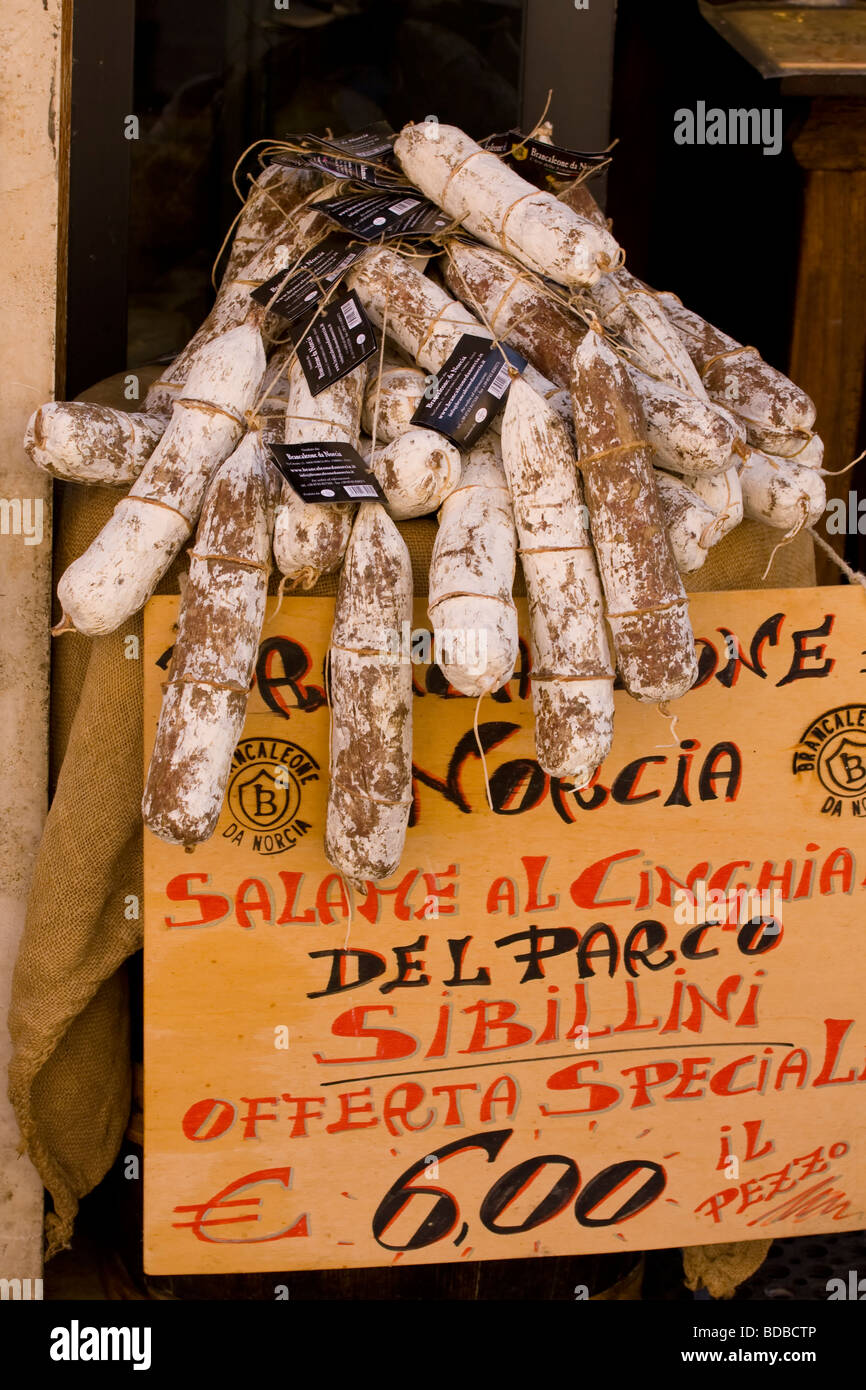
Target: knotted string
x,y
662,708
825,473
855,576
789,535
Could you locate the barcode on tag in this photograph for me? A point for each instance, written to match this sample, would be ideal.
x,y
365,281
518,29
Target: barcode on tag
x,y
471,387
350,313
325,473
404,206
500,383
360,490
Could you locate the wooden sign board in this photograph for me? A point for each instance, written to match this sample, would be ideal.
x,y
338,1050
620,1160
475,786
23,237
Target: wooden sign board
x,y
562,1027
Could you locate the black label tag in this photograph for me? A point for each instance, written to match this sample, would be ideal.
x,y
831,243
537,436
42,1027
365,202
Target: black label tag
x,y
336,343
353,156
317,272
386,216
529,154
469,390
370,142
326,472
352,170
503,143
561,163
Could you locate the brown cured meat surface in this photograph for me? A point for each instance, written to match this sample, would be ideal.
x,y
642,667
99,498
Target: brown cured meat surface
x,y
689,434
89,443
515,304
274,195
646,603
220,624
572,679
775,407
370,788
768,401
578,197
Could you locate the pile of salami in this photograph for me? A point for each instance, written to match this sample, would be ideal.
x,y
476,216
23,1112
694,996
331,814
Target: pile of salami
x,y
405,326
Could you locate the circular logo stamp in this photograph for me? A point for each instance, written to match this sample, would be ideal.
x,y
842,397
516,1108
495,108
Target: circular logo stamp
x,y
264,799
833,750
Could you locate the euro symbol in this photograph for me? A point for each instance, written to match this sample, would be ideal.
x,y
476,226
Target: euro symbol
x,y
221,1202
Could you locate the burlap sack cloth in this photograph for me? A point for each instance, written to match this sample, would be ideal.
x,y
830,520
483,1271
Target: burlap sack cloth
x,y
70,1074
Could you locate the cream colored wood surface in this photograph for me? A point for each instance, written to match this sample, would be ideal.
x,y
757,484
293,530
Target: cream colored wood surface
x,y
272,1132
31,117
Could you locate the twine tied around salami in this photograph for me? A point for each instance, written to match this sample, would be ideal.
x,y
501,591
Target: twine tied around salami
x,y
723,356
262,566
613,452
189,403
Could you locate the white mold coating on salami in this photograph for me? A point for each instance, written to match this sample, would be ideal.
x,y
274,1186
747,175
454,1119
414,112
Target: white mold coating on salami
x,y
83,442
781,443
370,784
215,651
781,492
232,303
470,602
572,675
392,398
692,525
419,315
689,434
272,197
517,304
626,307
501,209
422,317
416,472
123,565
811,455
721,492
740,379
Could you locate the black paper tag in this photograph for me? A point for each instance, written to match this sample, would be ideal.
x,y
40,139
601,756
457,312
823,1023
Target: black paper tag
x,y
340,339
385,216
316,273
528,154
321,472
470,390
562,163
370,142
503,143
352,156
352,171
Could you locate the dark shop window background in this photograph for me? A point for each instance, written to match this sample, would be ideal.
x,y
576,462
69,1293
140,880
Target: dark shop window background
x,y
205,78
209,78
